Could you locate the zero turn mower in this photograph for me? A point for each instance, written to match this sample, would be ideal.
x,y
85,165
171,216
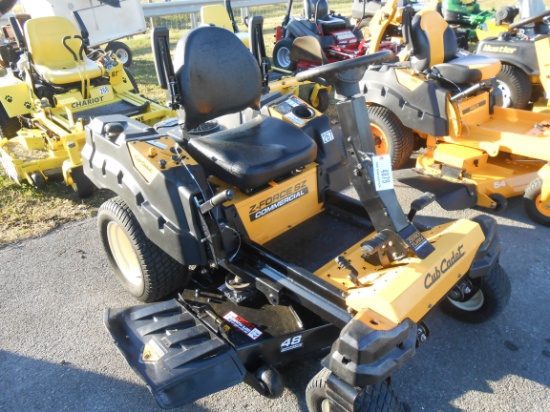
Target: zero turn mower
x,y
339,39
50,92
523,48
466,16
270,262
274,79
448,98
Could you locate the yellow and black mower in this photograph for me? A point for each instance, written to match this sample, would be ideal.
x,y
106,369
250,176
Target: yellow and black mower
x,y
270,260
50,92
523,47
447,99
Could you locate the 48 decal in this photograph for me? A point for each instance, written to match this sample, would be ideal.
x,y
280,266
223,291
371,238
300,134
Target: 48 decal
x,y
292,343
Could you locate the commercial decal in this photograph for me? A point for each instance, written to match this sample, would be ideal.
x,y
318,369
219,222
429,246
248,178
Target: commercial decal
x,y
278,200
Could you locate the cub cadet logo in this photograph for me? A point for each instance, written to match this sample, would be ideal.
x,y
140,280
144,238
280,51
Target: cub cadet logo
x,y
146,165
499,49
278,200
444,266
87,102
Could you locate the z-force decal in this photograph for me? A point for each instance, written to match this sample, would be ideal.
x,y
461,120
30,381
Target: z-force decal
x,y
444,266
278,200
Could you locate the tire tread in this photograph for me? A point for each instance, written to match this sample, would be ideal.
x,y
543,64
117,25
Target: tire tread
x,y
163,274
400,138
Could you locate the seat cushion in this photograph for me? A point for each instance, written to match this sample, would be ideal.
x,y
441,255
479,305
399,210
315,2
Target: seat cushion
x,y
51,58
329,23
64,75
471,68
254,153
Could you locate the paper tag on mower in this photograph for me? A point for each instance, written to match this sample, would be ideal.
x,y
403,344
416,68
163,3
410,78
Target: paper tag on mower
x,y
383,178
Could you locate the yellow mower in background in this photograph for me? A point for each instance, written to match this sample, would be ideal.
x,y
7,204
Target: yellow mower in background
x,y
448,99
51,91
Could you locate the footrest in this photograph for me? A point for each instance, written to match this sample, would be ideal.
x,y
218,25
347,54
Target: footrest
x,y
178,357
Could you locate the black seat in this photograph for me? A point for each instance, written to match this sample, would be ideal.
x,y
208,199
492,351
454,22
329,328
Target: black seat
x,y
435,49
255,153
331,23
218,75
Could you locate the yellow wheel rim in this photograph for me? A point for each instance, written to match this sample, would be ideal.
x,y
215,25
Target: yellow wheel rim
x,y
124,254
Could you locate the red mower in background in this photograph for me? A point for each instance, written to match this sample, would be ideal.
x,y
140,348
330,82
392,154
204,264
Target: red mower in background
x,y
339,38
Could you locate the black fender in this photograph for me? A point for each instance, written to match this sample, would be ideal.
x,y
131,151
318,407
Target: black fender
x,y
165,207
422,109
519,53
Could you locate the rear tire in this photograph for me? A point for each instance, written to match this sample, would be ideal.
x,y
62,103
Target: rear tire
x,y
373,398
533,205
391,136
515,86
489,296
144,270
9,126
281,54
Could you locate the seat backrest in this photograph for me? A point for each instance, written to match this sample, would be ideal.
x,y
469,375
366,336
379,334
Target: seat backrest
x,y
45,41
433,40
216,75
216,15
322,8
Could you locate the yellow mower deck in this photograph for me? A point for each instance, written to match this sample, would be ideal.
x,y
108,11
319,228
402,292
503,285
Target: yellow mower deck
x,y
501,153
59,135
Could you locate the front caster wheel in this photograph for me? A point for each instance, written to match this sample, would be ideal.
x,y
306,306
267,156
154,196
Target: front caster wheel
x,y
81,184
484,300
373,398
500,202
322,101
532,202
144,270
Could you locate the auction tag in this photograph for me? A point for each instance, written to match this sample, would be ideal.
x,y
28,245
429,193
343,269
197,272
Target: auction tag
x,y
383,179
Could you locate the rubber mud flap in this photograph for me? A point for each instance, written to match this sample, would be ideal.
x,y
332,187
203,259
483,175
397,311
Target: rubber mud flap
x,y
488,252
364,356
178,357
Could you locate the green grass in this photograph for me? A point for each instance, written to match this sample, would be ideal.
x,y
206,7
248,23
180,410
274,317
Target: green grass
x,y
27,212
